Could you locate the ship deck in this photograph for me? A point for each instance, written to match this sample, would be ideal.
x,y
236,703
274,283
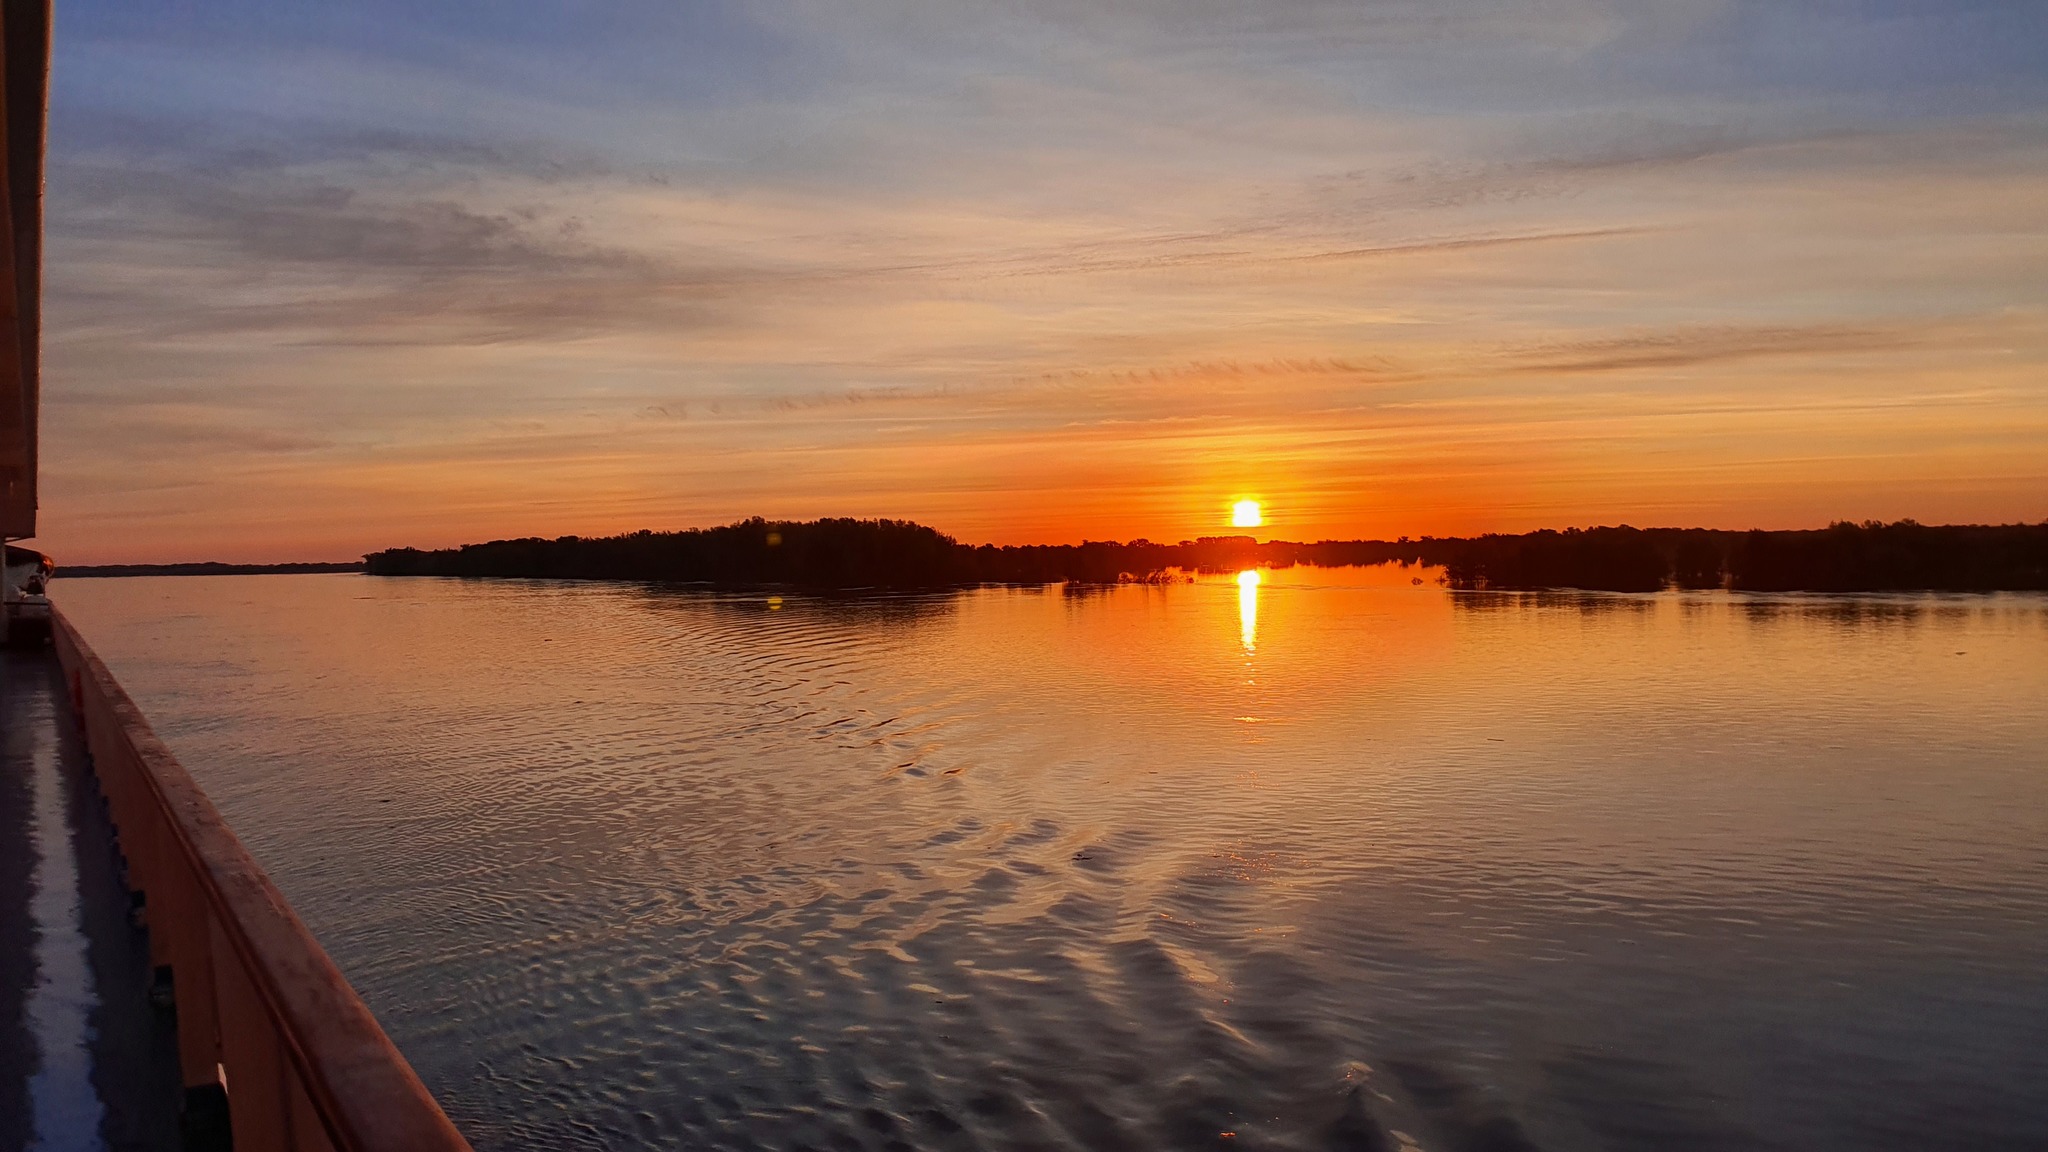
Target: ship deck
x,y
88,1059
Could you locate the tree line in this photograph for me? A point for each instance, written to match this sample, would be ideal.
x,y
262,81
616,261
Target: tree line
x,y
846,553
205,568
1844,557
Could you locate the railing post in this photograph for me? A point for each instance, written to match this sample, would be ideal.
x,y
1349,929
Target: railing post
x,y
150,864
190,928
252,1055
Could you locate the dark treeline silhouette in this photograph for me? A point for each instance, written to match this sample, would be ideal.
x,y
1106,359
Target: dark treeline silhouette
x,y
205,568
1875,557
846,553
1843,557
838,553
851,554
1611,559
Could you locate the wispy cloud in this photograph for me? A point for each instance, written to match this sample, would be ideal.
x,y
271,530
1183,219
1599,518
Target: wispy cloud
x,y
323,280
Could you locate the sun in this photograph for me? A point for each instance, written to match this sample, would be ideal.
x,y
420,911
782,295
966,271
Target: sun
x,y
1246,514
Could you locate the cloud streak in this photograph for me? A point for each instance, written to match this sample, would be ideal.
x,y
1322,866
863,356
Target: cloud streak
x,y
325,281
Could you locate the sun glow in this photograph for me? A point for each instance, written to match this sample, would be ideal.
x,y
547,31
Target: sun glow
x,y
1246,514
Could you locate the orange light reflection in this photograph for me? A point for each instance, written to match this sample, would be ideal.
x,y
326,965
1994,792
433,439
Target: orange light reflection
x,y
1248,610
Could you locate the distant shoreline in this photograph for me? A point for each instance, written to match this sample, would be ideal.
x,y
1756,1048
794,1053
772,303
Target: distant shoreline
x,y
843,555
204,568
846,554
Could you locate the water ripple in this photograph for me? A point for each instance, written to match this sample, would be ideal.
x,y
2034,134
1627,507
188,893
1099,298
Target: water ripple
x,y
624,867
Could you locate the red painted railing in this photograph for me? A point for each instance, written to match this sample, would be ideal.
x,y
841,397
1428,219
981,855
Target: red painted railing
x,y
262,1012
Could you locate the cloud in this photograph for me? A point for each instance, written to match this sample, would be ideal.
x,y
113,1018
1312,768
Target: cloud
x,y
484,263
1699,347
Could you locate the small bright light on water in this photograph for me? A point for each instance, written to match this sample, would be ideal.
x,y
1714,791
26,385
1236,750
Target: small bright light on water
x,y
1249,578
1246,514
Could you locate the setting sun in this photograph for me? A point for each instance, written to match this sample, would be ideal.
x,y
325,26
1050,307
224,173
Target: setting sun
x,y
1245,514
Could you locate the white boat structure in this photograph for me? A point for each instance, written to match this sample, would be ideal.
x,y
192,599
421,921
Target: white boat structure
x,y
24,585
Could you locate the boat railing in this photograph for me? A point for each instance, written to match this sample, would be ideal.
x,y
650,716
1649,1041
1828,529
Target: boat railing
x,y
264,1017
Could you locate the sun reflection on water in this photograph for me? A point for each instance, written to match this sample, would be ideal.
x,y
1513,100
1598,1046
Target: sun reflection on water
x,y
1248,609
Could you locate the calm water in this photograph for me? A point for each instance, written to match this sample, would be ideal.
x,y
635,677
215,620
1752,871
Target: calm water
x,y
1331,862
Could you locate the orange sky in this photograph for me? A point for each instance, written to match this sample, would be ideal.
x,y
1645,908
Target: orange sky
x,y
1093,277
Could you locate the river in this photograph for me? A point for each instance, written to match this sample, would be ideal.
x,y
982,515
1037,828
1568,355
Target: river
x,y
1315,859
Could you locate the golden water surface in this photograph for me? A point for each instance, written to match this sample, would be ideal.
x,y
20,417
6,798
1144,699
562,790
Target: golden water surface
x,y
1305,859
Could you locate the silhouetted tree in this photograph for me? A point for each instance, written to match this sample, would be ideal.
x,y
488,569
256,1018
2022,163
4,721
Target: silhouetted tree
x,y
851,554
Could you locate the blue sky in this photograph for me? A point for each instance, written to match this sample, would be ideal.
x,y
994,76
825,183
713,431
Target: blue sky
x,y
326,278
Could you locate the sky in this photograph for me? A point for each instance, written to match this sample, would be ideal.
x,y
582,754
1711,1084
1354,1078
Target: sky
x,y
327,278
